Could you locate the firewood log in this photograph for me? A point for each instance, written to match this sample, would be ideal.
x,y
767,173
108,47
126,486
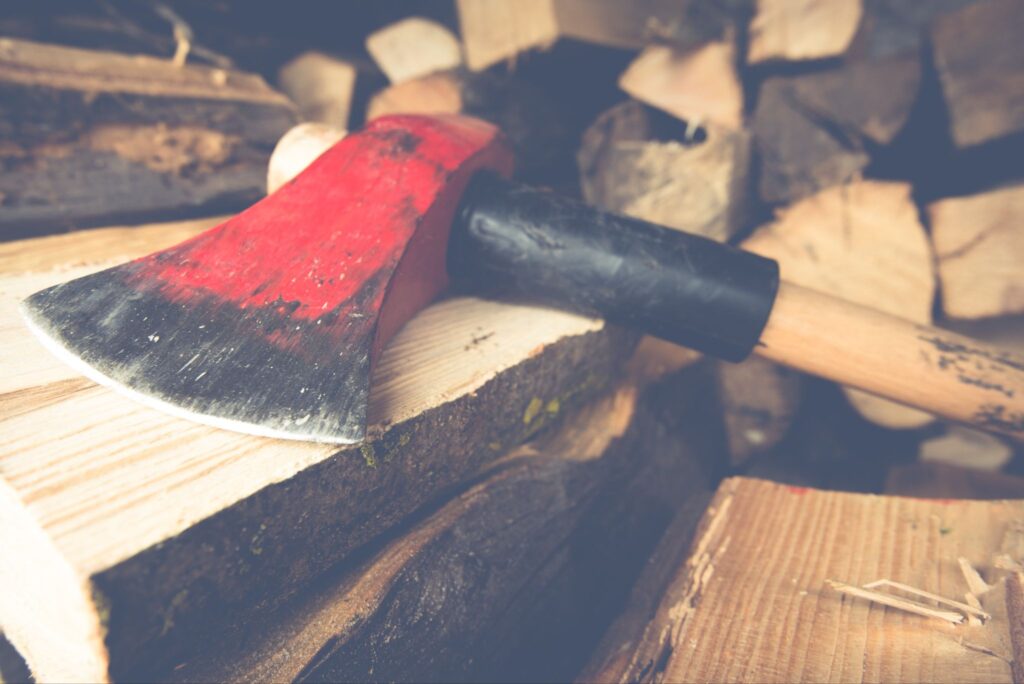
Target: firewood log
x,y
698,85
141,536
321,86
802,29
811,130
752,602
498,30
96,137
980,59
413,47
979,245
634,162
862,242
759,401
450,597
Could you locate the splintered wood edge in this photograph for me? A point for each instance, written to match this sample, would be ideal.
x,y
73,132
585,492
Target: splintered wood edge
x,y
93,540
93,71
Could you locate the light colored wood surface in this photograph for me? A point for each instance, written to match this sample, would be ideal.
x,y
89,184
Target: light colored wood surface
x,y
496,30
862,242
979,245
751,604
938,371
321,86
802,29
91,481
699,85
413,47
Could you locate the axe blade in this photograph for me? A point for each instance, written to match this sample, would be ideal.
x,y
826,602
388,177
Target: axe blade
x,y
271,322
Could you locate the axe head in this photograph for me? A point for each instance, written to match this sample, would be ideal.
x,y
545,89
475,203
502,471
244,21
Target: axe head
x,y
271,322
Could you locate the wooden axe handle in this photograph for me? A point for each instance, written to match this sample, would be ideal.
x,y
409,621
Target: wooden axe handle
x,y
938,371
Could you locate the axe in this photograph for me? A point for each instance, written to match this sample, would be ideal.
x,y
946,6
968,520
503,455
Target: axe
x,y
271,322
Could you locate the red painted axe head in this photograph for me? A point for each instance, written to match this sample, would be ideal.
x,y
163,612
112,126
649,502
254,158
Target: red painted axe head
x,y
271,322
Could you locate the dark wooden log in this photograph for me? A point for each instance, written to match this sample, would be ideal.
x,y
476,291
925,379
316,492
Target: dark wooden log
x,y
89,138
980,59
494,584
812,131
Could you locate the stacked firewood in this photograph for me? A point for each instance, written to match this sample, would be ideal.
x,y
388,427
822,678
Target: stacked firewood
x,y
872,147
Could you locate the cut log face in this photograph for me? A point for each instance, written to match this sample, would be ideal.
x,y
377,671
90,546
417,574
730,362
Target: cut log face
x,y
980,59
700,187
439,600
148,137
196,526
413,47
802,29
322,87
498,30
751,602
862,242
699,85
979,245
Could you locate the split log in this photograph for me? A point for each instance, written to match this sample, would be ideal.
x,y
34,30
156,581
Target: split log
x,y
980,60
979,246
634,162
751,602
450,598
497,30
297,149
536,127
862,242
811,130
97,137
321,86
141,535
414,47
802,29
13,669
759,401
698,85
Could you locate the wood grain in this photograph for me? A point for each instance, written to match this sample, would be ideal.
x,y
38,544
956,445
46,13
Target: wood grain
x,y
156,530
751,604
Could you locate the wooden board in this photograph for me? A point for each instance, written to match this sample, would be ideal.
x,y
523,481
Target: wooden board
x,y
456,595
90,138
751,604
141,535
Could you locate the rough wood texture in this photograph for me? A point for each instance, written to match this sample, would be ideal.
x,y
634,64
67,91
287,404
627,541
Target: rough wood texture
x,y
862,242
321,86
980,59
979,245
154,533
413,47
811,130
97,137
535,126
698,85
451,597
750,603
759,402
698,186
802,29
497,30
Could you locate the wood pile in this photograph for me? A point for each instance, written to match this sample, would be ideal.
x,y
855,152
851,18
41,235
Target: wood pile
x,y
533,502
